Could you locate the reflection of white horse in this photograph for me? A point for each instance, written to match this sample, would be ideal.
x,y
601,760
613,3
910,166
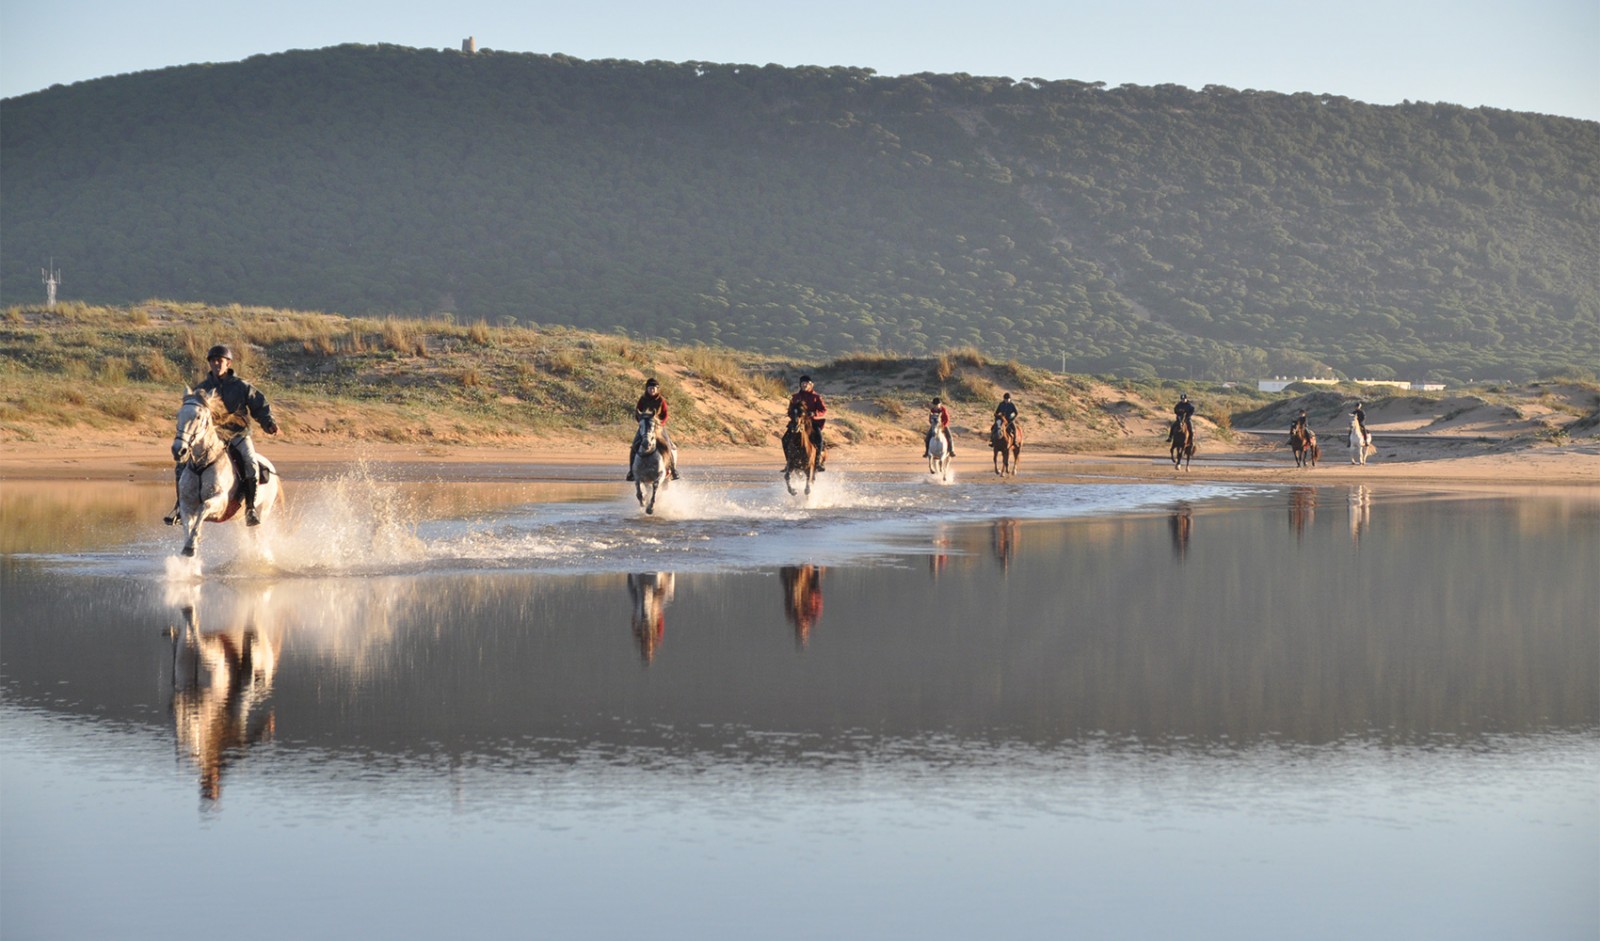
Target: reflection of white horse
x,y
1360,442
1360,511
221,684
652,592
208,489
938,450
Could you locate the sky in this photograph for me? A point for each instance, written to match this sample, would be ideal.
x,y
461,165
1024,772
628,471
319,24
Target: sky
x,y
1524,55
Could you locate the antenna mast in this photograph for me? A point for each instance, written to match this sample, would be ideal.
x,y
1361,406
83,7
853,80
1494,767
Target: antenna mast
x,y
52,277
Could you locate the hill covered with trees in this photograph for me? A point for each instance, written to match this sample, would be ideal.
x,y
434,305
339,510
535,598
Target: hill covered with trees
x,y
820,212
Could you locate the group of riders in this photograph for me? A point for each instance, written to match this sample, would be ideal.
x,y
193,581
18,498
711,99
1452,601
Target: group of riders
x,y
244,402
806,401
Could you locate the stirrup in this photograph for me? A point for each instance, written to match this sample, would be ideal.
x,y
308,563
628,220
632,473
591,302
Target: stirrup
x,y
629,478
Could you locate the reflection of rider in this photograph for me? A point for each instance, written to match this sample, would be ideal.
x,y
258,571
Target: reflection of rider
x,y
937,408
651,592
222,683
242,402
802,598
809,400
1007,409
654,401
1185,412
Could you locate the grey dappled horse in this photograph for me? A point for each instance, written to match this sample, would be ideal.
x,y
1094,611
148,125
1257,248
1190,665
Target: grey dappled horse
x,y
652,462
208,488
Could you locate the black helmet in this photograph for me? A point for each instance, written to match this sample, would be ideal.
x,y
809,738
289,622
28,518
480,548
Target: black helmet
x,y
1183,396
219,352
1006,397
805,378
651,382
936,400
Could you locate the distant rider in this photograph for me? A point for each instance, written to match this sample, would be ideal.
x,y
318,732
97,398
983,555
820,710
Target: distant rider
x,y
1185,412
1361,422
243,402
936,407
1299,425
1007,409
654,401
808,399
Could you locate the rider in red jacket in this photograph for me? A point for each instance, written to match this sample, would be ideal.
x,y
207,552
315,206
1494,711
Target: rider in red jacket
x,y
654,401
808,398
937,408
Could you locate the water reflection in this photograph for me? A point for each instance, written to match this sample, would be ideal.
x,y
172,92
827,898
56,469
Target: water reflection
x,y
651,593
1180,523
1360,500
222,683
802,599
1302,509
1006,536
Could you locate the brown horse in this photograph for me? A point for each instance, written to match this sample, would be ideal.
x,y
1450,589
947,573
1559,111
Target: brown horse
x,y
1304,442
800,452
1006,440
1181,438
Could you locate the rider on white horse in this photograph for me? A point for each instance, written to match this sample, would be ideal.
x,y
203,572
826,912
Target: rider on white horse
x,y
1361,419
936,407
243,402
654,401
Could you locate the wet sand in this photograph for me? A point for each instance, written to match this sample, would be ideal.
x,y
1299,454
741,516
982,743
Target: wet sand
x,y
1250,458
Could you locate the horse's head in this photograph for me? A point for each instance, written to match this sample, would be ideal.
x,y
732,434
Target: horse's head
x,y
648,427
196,421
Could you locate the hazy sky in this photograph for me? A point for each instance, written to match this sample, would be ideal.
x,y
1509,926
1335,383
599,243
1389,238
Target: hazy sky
x,y
1525,55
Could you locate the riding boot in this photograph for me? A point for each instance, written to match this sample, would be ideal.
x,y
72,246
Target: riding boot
x,y
675,465
171,519
247,489
630,461
822,454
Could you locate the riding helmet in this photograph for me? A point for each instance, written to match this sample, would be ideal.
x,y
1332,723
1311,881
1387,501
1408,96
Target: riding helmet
x,y
651,382
1183,396
805,378
221,351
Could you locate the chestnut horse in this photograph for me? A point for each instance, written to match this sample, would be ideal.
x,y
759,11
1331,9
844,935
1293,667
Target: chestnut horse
x,y
1181,439
1006,440
1304,443
800,452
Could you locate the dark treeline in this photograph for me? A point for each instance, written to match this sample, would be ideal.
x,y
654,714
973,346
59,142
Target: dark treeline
x,y
1140,231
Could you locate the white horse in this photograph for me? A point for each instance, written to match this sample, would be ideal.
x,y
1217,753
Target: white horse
x,y
208,489
653,463
938,451
1359,443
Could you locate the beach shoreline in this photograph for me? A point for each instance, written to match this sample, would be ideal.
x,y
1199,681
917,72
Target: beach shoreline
x,y
1442,464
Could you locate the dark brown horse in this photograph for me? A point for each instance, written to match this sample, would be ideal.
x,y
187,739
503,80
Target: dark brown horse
x,y
1181,439
1304,443
1006,440
800,452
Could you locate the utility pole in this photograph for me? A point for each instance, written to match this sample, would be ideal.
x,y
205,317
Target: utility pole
x,y
52,278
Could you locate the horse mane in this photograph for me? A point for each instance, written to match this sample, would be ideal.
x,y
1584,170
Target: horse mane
x,y
210,399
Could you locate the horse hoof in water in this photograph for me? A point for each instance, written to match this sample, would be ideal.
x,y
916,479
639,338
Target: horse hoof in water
x,y
188,551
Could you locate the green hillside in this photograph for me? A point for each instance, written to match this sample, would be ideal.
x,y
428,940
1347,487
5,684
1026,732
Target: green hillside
x,y
817,212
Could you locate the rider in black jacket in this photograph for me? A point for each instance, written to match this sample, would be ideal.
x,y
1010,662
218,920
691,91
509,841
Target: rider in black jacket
x,y
243,402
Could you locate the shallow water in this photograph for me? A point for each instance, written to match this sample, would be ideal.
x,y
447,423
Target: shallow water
x,y
896,709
